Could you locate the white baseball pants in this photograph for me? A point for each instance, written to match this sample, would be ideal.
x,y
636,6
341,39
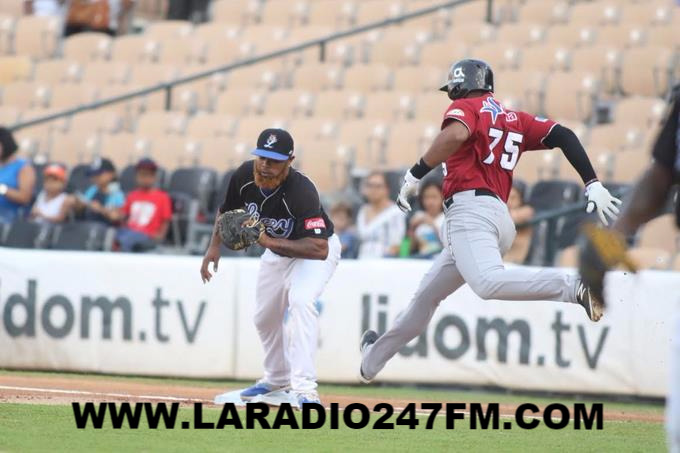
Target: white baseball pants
x,y
479,230
673,401
293,285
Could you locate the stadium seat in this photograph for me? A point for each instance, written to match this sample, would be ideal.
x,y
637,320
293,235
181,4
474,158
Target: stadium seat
x,y
604,61
476,12
418,79
68,95
647,71
647,13
367,78
26,234
106,72
78,180
134,49
639,110
388,105
169,29
431,106
338,104
37,36
9,115
595,13
377,10
239,102
571,35
89,236
122,148
650,258
521,34
220,153
263,76
500,56
284,13
26,95
616,136
535,166
289,103
197,183
15,68
249,128
526,86
438,53
571,95
182,51
629,165
545,58
57,71
211,125
366,138
264,38
407,142
662,233
623,35
328,174
217,32
664,36
676,263
470,34
544,12
162,123
331,13
88,46
316,77
74,147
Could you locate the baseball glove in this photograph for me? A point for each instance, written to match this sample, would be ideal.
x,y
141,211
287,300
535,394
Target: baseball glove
x,y
238,229
602,250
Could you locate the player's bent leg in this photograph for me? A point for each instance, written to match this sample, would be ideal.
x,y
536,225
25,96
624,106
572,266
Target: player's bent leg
x,y
673,401
308,279
270,306
441,280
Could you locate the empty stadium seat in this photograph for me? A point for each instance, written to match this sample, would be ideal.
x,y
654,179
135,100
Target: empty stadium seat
x,y
338,104
571,95
545,58
15,68
25,234
197,183
639,110
259,76
331,13
86,236
616,136
316,76
284,13
161,123
650,258
440,53
289,103
524,85
37,36
418,78
647,71
182,51
377,10
388,105
407,141
26,95
542,11
595,13
211,125
500,56
602,60
521,34
74,147
366,78
88,46
239,102
68,95
660,232
571,35
134,49
538,165
169,29
235,11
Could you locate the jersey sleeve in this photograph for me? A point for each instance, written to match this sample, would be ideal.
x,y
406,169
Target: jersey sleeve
x,y
306,208
535,130
463,112
233,199
666,150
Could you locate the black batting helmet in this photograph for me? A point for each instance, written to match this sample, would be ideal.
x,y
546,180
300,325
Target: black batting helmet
x,y
468,75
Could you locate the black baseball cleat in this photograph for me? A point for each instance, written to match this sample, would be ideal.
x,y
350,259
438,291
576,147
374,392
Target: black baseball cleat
x,y
593,306
368,338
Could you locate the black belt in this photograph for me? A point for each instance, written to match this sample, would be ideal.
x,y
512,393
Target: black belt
x,y
478,193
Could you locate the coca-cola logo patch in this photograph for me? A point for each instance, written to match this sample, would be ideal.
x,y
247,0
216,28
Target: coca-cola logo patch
x,y
315,222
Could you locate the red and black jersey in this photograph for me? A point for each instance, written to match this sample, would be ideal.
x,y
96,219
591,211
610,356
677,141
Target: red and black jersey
x,y
497,139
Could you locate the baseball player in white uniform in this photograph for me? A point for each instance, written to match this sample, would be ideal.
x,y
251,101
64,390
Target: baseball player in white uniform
x,y
301,255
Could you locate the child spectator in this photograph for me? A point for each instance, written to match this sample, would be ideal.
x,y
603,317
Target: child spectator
x,y
427,225
52,205
102,201
341,216
380,223
148,211
520,213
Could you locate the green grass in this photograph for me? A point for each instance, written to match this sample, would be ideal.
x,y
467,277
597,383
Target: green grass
x,y
25,428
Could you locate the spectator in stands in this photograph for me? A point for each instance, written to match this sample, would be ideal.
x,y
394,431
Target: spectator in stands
x,y
55,8
106,16
520,213
427,225
17,179
53,205
341,216
148,211
193,10
102,201
380,223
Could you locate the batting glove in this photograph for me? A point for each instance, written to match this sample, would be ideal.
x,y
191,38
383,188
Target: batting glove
x,y
599,198
408,189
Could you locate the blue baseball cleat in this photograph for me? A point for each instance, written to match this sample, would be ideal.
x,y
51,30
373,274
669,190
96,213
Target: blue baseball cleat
x,y
261,388
308,397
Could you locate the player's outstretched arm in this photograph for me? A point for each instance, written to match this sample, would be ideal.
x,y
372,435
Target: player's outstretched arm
x,y
447,142
306,248
599,198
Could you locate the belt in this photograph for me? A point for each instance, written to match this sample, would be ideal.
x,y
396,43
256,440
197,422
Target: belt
x,y
478,193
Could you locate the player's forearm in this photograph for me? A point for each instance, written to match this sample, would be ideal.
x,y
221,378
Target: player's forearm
x,y
647,199
215,240
306,248
564,138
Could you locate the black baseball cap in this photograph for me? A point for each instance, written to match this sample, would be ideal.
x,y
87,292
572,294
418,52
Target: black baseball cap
x,y
100,166
146,164
274,144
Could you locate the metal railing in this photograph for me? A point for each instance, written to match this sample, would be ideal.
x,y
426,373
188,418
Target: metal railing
x,y
321,43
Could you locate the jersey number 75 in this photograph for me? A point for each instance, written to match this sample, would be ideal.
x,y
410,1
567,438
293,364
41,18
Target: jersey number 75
x,y
510,153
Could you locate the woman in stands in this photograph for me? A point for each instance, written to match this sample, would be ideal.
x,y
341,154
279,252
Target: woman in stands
x,y
17,179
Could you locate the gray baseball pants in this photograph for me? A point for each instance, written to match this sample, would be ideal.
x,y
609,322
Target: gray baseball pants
x,y
480,230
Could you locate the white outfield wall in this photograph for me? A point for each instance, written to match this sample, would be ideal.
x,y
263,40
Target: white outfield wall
x,y
151,315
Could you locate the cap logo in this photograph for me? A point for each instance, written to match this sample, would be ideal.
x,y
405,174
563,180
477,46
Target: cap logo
x,y
458,72
270,141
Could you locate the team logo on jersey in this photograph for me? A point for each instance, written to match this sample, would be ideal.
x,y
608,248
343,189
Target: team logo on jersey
x,y
276,228
493,107
314,223
511,116
270,141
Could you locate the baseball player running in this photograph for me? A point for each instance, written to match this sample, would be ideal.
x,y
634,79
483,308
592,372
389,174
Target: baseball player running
x,y
301,255
606,248
480,143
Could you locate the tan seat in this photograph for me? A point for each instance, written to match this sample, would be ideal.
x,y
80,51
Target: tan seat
x,y
74,147
367,78
87,46
67,95
624,35
327,174
217,32
639,110
317,77
101,121
212,152
616,136
655,13
219,53
182,51
394,52
284,13
408,141
544,12
134,49
602,60
471,34
571,35
7,27
264,38
367,140
647,71
124,148
628,166
307,33
389,105
57,71
9,115
419,78
521,34
331,13
650,258
235,11
377,10
211,125
106,72
249,128
162,123
240,102
169,29
26,95
309,130
437,23
15,68
500,56
537,165
476,12
571,95
661,233
524,86
545,58
569,257
263,76
664,36
171,152
289,103
602,160
441,53
338,104
431,106
595,13
37,36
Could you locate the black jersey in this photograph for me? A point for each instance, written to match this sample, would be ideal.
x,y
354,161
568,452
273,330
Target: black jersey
x,y
292,211
666,149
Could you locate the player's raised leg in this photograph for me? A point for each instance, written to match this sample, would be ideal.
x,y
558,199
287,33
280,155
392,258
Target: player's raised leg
x,y
441,280
308,278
